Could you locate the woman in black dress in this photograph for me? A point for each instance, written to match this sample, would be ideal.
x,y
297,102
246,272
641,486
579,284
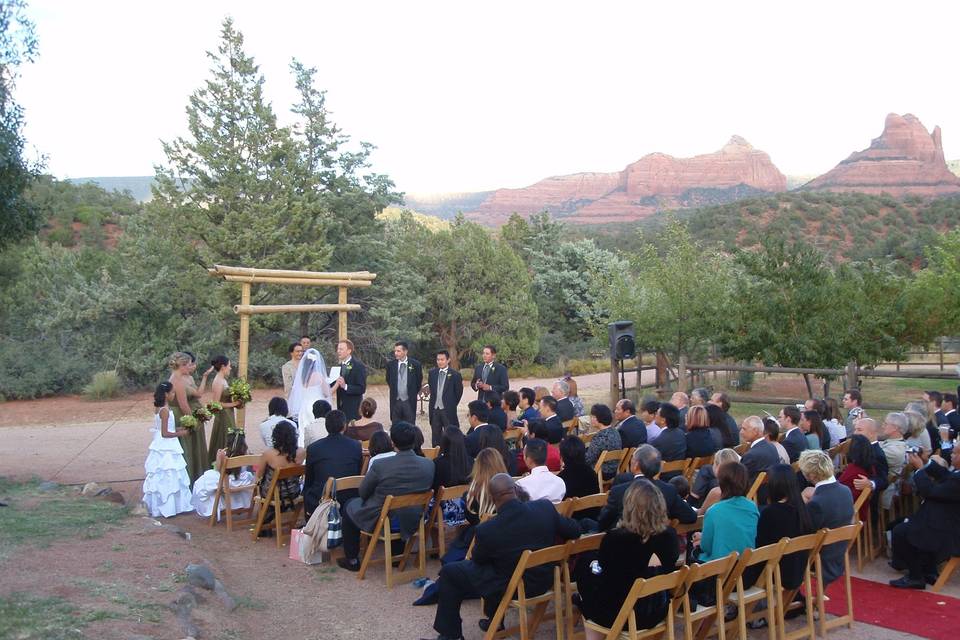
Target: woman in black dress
x,y
643,545
577,475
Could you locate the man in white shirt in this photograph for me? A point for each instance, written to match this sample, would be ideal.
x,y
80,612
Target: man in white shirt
x,y
541,483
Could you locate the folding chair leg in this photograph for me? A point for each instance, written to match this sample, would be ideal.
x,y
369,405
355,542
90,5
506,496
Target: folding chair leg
x,y
945,574
216,504
367,556
261,516
277,520
388,553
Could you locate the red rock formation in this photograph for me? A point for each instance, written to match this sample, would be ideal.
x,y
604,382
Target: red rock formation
x,y
653,183
905,160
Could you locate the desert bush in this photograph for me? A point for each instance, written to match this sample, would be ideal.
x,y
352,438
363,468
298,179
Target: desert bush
x,y
105,384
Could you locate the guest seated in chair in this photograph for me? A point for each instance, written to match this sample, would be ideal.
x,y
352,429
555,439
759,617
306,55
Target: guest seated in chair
x,y
365,426
283,454
541,483
830,505
399,475
334,456
579,477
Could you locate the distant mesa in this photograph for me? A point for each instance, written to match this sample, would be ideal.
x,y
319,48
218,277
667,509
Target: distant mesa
x,y
654,183
905,160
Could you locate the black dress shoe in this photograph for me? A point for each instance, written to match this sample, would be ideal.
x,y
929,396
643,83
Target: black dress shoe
x,y
484,624
908,583
349,565
931,578
443,637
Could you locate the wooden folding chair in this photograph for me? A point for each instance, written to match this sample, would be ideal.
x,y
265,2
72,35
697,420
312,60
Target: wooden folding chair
x,y
865,537
673,582
512,438
696,463
563,507
594,501
435,522
483,519
614,455
625,463
572,425
586,438
673,466
849,535
688,528
575,548
430,453
948,568
343,484
742,448
382,533
718,570
516,597
755,487
811,544
272,500
747,600
225,491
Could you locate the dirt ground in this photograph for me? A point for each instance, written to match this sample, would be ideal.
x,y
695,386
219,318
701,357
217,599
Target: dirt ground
x,y
126,578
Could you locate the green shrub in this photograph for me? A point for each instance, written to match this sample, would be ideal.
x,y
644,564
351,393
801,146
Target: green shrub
x,y
31,369
62,235
105,384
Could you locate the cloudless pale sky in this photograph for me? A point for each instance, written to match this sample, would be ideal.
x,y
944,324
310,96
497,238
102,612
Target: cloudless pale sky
x,y
467,96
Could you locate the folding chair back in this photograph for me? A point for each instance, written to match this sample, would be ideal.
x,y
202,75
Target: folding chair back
x,y
811,544
572,425
512,437
436,522
595,501
717,570
865,537
382,533
516,595
848,534
696,463
586,438
430,453
747,599
343,484
563,507
272,500
625,463
684,529
583,544
609,456
755,487
224,491
673,466
674,582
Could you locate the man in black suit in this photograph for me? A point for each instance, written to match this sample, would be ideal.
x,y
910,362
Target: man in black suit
x,y
548,411
489,375
878,482
399,475
565,410
794,441
830,505
335,456
722,400
517,527
934,402
933,532
495,413
404,378
633,432
446,389
352,383
761,455
671,443
951,414
478,415
645,463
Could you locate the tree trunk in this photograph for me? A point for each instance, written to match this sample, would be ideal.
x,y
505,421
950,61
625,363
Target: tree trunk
x,y
304,324
826,388
806,380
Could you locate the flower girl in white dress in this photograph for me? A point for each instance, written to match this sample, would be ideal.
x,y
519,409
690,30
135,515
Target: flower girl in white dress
x,y
166,487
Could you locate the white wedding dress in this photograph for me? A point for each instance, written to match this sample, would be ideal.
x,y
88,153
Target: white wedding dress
x,y
166,487
309,385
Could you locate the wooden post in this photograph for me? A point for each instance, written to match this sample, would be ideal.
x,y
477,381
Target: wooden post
x,y
940,343
342,315
244,347
853,376
663,378
682,374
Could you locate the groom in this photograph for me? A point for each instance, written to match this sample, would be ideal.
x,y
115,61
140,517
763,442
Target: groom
x,y
352,383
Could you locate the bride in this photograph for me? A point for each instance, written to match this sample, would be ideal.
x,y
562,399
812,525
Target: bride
x,y
309,385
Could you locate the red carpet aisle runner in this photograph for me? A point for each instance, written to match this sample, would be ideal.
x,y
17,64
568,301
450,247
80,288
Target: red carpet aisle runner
x,y
921,613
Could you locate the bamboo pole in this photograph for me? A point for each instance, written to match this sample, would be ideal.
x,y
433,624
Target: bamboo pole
x,y
302,281
219,269
342,316
244,347
245,310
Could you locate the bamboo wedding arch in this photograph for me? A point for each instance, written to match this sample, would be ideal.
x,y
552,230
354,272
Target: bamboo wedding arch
x,y
247,277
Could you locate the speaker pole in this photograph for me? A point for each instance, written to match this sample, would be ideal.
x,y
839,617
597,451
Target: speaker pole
x,y
623,381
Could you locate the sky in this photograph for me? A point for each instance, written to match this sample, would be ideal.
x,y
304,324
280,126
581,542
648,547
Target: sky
x,y
471,96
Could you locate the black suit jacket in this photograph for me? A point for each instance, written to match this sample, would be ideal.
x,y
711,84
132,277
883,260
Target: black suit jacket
x,y
672,444
452,392
953,419
497,416
830,507
935,527
497,379
414,382
555,430
795,443
732,437
565,410
348,400
473,437
677,507
633,432
518,526
335,456
881,473
760,457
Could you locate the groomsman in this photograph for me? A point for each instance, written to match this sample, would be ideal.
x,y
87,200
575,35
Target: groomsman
x,y
404,377
446,389
352,383
489,375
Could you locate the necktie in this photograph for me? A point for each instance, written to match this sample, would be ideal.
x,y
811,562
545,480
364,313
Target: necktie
x,y
486,372
441,379
402,382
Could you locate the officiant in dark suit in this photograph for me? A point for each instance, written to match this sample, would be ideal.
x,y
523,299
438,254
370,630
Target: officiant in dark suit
x,y
352,383
404,378
489,375
446,389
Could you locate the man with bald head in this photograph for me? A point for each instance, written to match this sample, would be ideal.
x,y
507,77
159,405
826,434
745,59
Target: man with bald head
x,y
682,402
869,428
761,455
517,527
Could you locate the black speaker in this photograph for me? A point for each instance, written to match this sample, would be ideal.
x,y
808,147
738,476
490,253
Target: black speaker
x,y
622,345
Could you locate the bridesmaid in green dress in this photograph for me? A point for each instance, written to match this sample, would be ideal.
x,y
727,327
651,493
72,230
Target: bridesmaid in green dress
x,y
183,401
223,421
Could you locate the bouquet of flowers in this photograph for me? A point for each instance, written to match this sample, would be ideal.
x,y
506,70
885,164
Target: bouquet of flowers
x,y
240,391
202,414
214,407
188,422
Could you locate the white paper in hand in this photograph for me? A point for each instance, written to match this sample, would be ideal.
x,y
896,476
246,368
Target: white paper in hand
x,y
334,374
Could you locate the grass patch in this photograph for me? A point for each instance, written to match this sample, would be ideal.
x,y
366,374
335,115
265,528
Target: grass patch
x,y
132,607
27,617
40,518
247,602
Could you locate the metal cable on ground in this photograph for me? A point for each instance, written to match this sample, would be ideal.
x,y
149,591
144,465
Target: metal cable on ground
x,y
110,426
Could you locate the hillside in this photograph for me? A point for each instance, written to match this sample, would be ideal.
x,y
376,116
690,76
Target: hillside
x,y
139,187
847,226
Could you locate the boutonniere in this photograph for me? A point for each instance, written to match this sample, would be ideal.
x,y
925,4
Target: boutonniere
x,y
410,367
347,366
493,367
449,375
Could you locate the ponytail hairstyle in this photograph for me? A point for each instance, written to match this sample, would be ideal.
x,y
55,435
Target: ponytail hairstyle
x,y
160,394
219,362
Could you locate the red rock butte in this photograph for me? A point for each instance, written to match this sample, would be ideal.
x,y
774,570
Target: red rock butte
x,y
905,160
654,183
